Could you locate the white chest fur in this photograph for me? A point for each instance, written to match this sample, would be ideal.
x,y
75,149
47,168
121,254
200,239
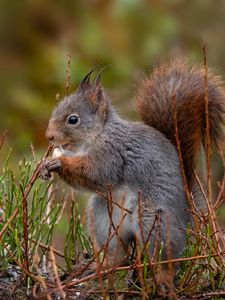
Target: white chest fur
x,y
59,151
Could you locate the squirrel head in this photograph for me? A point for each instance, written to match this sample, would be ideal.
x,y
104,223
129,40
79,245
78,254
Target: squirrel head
x,y
79,117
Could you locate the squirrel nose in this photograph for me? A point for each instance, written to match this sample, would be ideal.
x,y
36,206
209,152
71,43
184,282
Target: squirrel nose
x,y
49,135
51,138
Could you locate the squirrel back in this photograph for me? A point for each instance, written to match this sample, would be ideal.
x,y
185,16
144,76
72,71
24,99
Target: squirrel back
x,y
185,84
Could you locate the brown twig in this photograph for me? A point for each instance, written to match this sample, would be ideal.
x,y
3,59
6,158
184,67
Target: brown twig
x,y
170,276
139,270
140,220
126,292
145,248
156,248
123,268
96,255
25,194
142,243
4,228
221,195
44,287
18,263
46,294
55,251
110,214
36,171
220,294
188,195
211,211
207,134
115,203
55,271
25,229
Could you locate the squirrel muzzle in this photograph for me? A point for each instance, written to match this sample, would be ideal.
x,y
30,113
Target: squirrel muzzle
x,y
49,134
51,131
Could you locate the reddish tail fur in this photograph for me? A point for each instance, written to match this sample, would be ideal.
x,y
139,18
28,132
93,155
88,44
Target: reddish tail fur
x,y
154,103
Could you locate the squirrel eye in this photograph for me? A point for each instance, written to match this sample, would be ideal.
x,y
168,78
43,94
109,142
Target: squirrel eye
x,y
73,119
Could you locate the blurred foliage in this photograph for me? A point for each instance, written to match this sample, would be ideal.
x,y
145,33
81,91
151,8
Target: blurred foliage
x,y
130,35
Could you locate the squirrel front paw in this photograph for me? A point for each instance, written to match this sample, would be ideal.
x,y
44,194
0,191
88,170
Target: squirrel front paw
x,y
49,165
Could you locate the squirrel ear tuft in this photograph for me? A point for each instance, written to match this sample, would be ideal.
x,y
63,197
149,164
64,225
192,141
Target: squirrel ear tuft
x,y
97,94
94,92
86,81
97,81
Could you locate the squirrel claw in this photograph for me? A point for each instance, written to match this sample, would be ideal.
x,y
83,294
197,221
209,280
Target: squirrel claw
x,y
48,166
53,164
44,173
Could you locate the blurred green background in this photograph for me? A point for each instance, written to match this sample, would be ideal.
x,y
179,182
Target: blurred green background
x,y
130,35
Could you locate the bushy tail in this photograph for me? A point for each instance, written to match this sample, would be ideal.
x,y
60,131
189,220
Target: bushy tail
x,y
154,103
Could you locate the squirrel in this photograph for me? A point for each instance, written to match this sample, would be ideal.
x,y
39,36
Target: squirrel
x,y
137,161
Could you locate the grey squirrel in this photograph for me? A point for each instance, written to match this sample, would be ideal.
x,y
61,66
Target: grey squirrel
x,y
137,160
